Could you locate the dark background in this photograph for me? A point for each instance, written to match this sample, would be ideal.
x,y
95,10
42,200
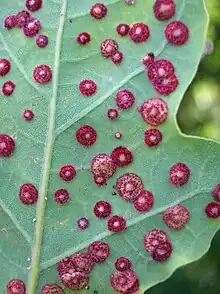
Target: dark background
x,y
199,114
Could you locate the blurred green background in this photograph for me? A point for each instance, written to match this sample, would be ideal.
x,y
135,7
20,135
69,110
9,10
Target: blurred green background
x,y
199,114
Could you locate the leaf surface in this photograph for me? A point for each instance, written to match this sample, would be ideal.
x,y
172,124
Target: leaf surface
x,y
48,142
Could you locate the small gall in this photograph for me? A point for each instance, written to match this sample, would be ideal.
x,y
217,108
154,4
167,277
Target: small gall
x,y
67,173
154,238
61,196
125,99
122,264
86,136
28,115
162,252
16,286
116,224
5,67
22,18
108,48
82,223
164,9
139,32
103,165
123,281
117,57
7,145
176,217
148,59
87,87
154,111
129,186
83,38
161,68
129,2
152,137
121,156
51,289
123,29
100,180
112,114
28,194
212,210
42,74
31,28
102,209
118,135
65,266
82,262
98,10
166,86
75,280
10,22
216,193
99,251
179,174
144,202
41,41
177,33
33,5
8,88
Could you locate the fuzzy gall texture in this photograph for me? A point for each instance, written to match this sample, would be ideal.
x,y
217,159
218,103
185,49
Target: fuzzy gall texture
x,y
61,196
102,209
123,29
16,286
148,59
179,174
83,38
82,262
22,18
86,136
28,194
216,193
152,137
103,165
166,86
164,9
108,48
52,289
154,238
116,224
121,156
100,180
42,74
8,88
7,145
65,266
10,22
99,251
112,114
122,264
176,217
5,67
162,252
134,289
67,173
32,27
125,99
82,223
41,41
28,115
177,33
144,202
154,111
139,32
98,10
117,57
33,5
75,280
87,87
160,69
129,186
212,210
123,281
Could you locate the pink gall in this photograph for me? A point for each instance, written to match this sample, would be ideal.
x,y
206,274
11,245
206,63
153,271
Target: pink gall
x,y
34,5
42,74
212,210
87,87
125,99
51,289
22,18
82,262
123,29
177,33
164,9
166,86
8,88
42,41
99,180
99,251
16,286
82,223
28,115
152,137
67,173
28,194
129,186
117,57
216,193
103,165
112,114
122,264
65,266
102,209
98,11
154,238
144,202
86,136
61,196
75,280
179,174
123,281
148,59
10,22
5,67
139,32
83,38
161,68
7,145
116,224
32,27
108,48
176,217
121,156
154,111
162,252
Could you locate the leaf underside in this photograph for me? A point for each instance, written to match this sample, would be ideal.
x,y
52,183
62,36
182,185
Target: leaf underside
x,y
47,143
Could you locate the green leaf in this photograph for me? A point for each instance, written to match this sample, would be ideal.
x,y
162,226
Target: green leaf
x,y
48,142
